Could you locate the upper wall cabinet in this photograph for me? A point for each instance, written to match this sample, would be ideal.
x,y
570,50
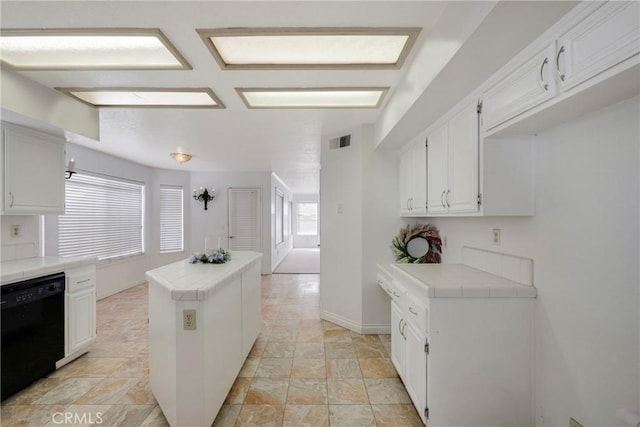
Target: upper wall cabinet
x,y
32,172
452,164
413,179
598,37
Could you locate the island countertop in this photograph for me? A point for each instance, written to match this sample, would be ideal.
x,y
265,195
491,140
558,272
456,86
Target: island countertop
x,y
191,282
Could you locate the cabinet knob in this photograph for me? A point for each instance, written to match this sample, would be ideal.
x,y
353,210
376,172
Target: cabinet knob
x,y
447,198
560,74
12,199
442,198
412,312
545,86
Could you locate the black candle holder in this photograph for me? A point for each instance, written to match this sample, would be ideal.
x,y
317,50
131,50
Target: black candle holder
x,y
204,196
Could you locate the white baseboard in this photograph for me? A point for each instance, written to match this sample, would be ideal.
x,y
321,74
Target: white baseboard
x,y
355,327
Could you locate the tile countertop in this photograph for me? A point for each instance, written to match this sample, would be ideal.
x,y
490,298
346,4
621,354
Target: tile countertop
x,y
461,281
22,269
198,281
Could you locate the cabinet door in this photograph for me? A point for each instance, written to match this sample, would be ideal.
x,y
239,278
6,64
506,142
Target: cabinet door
x,y
462,193
528,86
82,318
251,308
416,368
419,177
33,169
405,182
604,39
397,339
437,170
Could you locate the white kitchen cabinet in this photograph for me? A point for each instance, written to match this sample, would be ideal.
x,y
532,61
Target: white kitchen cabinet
x,y
452,171
593,43
33,171
397,338
607,37
413,178
251,308
528,86
81,310
415,379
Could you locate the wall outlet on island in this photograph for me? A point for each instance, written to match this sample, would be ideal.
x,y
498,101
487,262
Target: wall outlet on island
x,y
496,236
15,231
189,320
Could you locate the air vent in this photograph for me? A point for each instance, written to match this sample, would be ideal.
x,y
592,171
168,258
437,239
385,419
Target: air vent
x,y
341,142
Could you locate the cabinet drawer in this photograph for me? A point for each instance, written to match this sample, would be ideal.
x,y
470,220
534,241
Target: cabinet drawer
x,y
80,279
417,313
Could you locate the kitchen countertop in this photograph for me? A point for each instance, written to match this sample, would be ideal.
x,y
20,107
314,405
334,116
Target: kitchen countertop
x,y
22,269
461,281
187,281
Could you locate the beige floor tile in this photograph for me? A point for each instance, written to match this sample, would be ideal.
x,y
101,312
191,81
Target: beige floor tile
x,y
68,391
155,419
279,349
139,394
261,415
377,368
309,351
339,350
386,391
337,335
307,391
238,391
306,416
107,391
274,368
33,392
227,416
137,367
126,415
347,391
267,391
369,348
351,416
396,416
343,368
90,367
250,367
79,415
29,415
309,368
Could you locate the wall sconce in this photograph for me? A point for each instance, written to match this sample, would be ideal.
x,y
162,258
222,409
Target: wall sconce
x,y
204,196
71,169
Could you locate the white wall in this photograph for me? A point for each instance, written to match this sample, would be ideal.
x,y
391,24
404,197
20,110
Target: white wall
x,y
304,241
341,214
27,244
279,251
214,222
584,240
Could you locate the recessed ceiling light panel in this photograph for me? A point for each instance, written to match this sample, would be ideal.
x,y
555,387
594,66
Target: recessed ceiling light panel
x,y
95,49
312,97
145,97
300,48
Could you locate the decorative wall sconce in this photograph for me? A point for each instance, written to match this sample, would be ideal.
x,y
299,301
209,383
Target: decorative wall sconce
x,y
204,196
71,169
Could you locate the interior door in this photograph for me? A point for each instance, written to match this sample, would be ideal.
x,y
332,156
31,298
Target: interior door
x,y
245,228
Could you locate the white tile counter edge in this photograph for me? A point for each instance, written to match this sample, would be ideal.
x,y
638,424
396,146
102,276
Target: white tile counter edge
x,y
29,268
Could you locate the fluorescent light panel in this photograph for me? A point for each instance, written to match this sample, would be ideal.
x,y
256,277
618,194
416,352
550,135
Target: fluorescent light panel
x,y
145,97
313,97
282,48
96,49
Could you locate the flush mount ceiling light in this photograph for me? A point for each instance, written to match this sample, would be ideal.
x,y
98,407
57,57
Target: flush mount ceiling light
x,y
145,97
309,48
313,97
91,49
181,157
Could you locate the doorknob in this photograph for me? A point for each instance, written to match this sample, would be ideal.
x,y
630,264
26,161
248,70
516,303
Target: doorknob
x,y
231,237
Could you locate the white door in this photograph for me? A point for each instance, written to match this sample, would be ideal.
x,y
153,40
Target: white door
x,y
245,231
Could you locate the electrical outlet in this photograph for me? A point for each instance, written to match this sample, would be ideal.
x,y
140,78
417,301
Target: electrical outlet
x,y
496,236
189,320
15,231
574,423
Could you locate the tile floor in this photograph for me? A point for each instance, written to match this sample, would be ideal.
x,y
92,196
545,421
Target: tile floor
x,y
302,371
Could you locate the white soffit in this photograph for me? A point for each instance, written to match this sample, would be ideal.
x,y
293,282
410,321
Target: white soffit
x,y
91,49
313,97
145,97
309,48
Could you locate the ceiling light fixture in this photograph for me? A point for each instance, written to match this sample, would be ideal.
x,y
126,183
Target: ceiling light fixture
x,y
312,97
145,97
89,48
181,157
309,48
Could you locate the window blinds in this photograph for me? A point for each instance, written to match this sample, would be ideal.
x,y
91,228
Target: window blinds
x,y
171,219
104,217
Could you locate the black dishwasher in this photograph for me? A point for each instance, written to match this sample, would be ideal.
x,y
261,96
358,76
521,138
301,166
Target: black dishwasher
x,y
32,331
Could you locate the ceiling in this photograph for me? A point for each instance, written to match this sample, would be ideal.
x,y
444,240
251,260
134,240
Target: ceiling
x,y
285,141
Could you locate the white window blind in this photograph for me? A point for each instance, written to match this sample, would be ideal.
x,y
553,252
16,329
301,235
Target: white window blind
x,y
171,219
307,219
104,217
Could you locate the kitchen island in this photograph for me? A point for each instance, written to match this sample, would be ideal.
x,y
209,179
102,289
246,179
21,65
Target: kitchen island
x,y
203,321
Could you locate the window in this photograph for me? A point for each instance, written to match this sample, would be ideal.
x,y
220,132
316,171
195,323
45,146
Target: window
x,y
104,217
171,219
307,220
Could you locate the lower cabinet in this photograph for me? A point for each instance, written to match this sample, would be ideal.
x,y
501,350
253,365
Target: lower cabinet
x,y
81,310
